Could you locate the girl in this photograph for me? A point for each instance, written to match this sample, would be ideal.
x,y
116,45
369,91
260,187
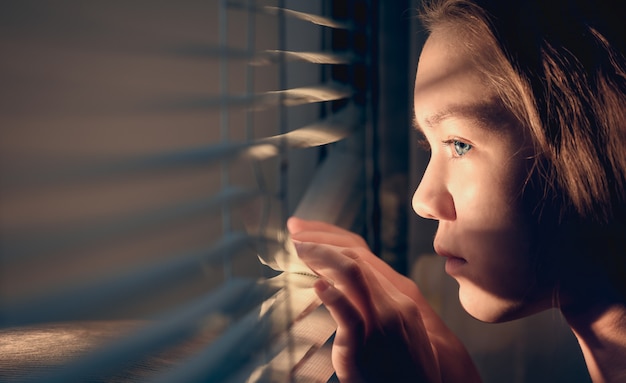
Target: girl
x,y
523,107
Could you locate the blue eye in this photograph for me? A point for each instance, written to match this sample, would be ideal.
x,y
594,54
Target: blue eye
x,y
461,148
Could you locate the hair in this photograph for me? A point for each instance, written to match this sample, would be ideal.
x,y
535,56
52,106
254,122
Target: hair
x,y
559,67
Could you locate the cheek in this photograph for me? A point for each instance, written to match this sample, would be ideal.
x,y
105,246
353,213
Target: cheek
x,y
487,198
503,286
499,254
500,282
492,226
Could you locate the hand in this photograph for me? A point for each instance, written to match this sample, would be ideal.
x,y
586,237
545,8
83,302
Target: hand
x,y
386,330
380,335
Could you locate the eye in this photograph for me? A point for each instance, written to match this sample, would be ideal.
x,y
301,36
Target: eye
x,y
461,148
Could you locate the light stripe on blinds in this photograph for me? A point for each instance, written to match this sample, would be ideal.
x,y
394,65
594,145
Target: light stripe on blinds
x,y
146,167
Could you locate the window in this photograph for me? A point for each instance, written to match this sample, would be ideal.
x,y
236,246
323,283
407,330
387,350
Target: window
x,y
149,151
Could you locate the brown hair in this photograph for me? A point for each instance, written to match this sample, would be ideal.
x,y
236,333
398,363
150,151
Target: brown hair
x,y
559,67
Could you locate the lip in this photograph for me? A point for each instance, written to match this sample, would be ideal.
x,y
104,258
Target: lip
x,y
454,264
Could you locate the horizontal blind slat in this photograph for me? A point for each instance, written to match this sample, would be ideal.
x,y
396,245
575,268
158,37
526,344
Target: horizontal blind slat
x,y
331,91
287,310
293,355
180,324
329,130
332,129
20,247
267,57
333,58
289,355
312,94
69,301
312,18
304,16
246,337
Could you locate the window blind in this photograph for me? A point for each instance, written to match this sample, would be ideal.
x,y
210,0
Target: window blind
x,y
150,155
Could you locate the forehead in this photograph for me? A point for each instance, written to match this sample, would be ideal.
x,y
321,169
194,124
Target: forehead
x,y
449,80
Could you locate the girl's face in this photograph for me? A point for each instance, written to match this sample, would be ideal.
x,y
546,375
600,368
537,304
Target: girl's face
x,y
473,184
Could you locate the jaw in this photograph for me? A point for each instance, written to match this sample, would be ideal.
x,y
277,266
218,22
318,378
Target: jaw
x,y
490,308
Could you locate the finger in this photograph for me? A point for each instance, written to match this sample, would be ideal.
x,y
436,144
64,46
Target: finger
x,y
322,232
371,291
391,311
350,333
340,266
340,307
296,225
331,238
383,293
401,282
399,314
391,281
389,299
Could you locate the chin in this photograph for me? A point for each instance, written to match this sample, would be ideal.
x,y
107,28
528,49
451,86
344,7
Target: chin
x,y
490,308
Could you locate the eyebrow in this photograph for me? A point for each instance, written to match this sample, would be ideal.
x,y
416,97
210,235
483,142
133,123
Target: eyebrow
x,y
488,114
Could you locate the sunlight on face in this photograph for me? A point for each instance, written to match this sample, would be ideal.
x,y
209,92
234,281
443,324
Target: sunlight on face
x,y
473,183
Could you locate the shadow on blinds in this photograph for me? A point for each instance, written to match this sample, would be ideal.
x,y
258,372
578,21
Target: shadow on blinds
x,y
149,155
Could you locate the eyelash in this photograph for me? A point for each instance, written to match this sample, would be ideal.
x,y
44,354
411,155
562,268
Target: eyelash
x,y
424,144
454,143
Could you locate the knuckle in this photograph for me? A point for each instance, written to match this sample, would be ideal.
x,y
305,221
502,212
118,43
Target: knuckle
x,y
350,253
352,270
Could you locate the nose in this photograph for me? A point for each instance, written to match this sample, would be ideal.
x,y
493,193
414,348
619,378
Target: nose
x,y
432,199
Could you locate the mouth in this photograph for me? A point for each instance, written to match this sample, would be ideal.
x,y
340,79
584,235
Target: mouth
x,y
454,263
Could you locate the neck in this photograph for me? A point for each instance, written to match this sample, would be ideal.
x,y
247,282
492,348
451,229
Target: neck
x,y
592,299
601,333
